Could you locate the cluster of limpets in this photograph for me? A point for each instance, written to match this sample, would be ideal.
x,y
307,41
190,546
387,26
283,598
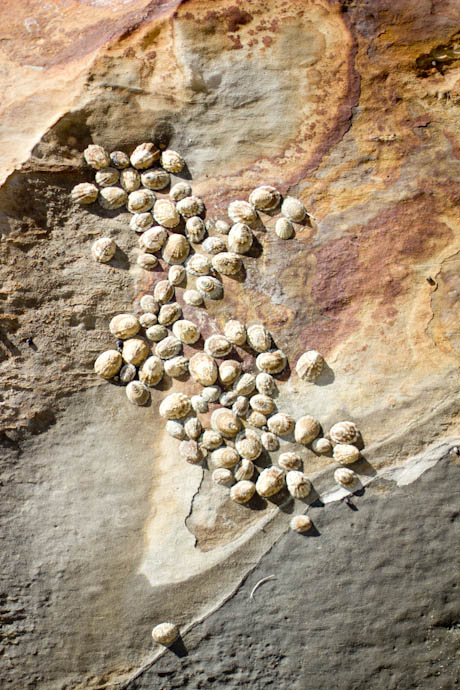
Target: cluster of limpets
x,y
245,423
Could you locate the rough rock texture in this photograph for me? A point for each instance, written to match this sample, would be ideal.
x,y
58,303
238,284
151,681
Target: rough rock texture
x,y
352,107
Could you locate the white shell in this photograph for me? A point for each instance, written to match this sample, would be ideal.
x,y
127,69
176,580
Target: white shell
x,y
265,383
310,365
300,523
119,159
151,372
224,457
198,265
293,209
217,346
176,366
155,179
270,441
96,157
245,384
190,206
346,454
108,364
210,287
156,333
229,370
191,452
262,403
112,198
226,422
259,338
240,406
176,275
124,325
199,404
290,461
203,369
135,350
272,362
180,190
107,177
265,198
130,180
281,424
175,429
140,201
195,229
211,393
344,432
169,313
168,347
137,393
176,249
211,439
242,212
322,446
249,446
240,238
298,484
223,476
175,406
345,477
306,429
192,428
257,419
242,491
193,298
149,304
103,250
186,331
227,263
235,331
244,470
172,161
214,245
222,227
165,213
147,261
148,319
228,398
153,239
270,481
144,156
127,373
163,291
140,222
85,193
284,228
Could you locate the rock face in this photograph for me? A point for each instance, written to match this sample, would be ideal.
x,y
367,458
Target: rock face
x,y
352,107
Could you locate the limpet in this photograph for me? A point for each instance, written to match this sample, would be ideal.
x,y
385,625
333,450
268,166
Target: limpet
x,y
108,364
310,365
195,229
176,275
290,461
193,298
186,331
165,213
140,222
203,369
344,432
149,304
244,470
240,238
227,263
198,265
346,454
155,179
223,476
217,346
107,177
249,446
130,180
210,287
284,228
176,249
235,332
85,193
153,239
259,338
262,403
300,523
175,406
163,291
281,424
211,393
345,477
192,428
175,429
144,156
229,370
228,398
240,406
271,362
298,484
265,198
127,373
270,441
190,206
180,190
199,404
242,491
140,201
112,198
222,227
211,439
147,261
176,366
168,347
124,326
191,452
169,313
293,209
306,429
214,245
321,446
242,212
172,161
224,457
245,384
270,481
103,249
135,350
151,372
257,419
226,422
148,319
265,383
137,393
119,159
96,157
165,633
156,333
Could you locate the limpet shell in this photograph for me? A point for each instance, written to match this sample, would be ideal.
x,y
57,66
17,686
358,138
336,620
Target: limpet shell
x,y
227,263
155,179
265,383
190,206
228,398
198,265
217,346
242,491
96,157
163,291
281,424
271,362
176,366
199,404
140,201
156,333
257,419
214,245
262,403
224,457
306,429
186,331
175,406
346,454
195,229
137,393
245,384
222,227
151,372
211,439
107,177
290,461
85,193
175,429
112,198
165,213
259,338
284,228
345,477
176,249
240,406
192,298
240,238
203,369
300,523
119,159
192,428
147,261
108,364
130,180
244,470
226,422
169,313
249,446
223,476
148,319
298,484
135,350
210,287
144,156
293,209
235,332
127,373
344,432
180,190
270,441
140,222
242,212
124,326
310,365
153,239
149,304
211,393
190,451
168,347
321,446
176,275
229,370
265,198
172,161
103,250
165,633
270,481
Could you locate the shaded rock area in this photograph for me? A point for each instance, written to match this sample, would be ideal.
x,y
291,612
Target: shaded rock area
x,y
351,106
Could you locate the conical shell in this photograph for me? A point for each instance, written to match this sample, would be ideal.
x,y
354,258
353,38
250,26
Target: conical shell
x,y
281,424
169,313
259,338
346,454
198,265
224,457
140,222
155,179
235,332
180,190
269,441
257,419
284,228
190,206
245,384
176,366
119,159
165,633
140,201
135,350
265,383
211,393
293,209
163,291
214,245
127,373
290,461
229,370
211,439
147,261
130,180
108,364
240,406
242,491
151,372
265,198
228,398
96,157
124,325
137,393
223,476
217,346
186,331
148,319
144,156
149,304
199,404
262,403
298,484
168,347
193,298
192,428
165,213
242,212
322,446
240,238
226,422
344,432
244,470
153,239
176,249
310,365
85,193
172,161
203,369
103,250
210,287
112,198
300,523
270,481
107,177
306,429
190,451
175,406
227,263
175,429
222,227
156,333
345,477
195,229
176,275
249,446
271,362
